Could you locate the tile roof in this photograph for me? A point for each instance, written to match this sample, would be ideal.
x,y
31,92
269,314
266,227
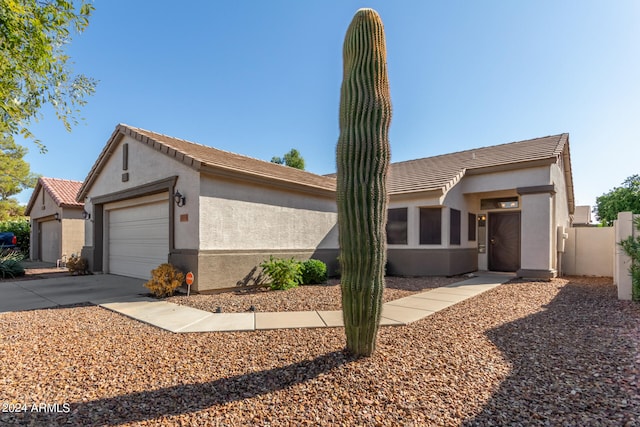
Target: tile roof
x,y
213,160
438,173
443,171
62,191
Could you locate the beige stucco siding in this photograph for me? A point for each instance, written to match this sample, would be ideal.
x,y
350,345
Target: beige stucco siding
x,y
147,165
506,180
240,216
72,236
48,208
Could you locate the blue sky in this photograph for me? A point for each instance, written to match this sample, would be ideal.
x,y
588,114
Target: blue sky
x,y
261,77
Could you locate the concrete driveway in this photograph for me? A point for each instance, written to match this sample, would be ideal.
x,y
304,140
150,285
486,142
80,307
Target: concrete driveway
x,y
60,291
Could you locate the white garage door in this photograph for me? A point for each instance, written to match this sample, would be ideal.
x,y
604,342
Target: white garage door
x,y
138,238
50,241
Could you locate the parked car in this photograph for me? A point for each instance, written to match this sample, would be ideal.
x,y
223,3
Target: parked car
x,y
8,240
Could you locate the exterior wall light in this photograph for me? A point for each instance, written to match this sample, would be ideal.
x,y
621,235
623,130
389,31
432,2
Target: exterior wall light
x,y
56,216
86,215
179,199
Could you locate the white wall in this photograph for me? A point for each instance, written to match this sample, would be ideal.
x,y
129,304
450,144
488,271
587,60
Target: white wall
x,y
236,215
624,227
147,165
506,180
589,252
537,231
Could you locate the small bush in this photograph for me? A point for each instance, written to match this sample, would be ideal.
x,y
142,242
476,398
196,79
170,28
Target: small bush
x,y
314,272
631,246
22,229
165,279
10,265
284,273
77,265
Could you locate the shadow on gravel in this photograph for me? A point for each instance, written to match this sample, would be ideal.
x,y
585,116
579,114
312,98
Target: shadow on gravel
x,y
187,398
572,363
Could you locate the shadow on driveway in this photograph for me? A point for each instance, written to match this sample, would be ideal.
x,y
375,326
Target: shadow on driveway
x,y
68,290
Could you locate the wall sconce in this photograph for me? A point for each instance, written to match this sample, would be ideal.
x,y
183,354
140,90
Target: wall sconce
x,y
86,215
179,199
56,216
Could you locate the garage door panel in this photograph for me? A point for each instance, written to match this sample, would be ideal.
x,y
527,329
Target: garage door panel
x,y
138,239
50,241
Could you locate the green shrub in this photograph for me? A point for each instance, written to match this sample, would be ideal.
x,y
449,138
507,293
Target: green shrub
x,y
22,229
10,265
77,265
631,246
314,272
165,279
284,273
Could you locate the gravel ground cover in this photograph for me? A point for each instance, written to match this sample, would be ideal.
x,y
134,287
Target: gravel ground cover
x,y
563,352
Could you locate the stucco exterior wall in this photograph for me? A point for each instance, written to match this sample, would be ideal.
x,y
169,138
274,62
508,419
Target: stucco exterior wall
x,y
505,180
589,252
537,232
146,165
241,216
72,236
624,227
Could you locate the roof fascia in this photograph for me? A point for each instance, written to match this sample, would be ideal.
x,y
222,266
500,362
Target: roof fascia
x,y
568,177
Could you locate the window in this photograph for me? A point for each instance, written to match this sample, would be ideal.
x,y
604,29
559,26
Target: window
x,y
472,227
430,226
503,203
397,226
454,227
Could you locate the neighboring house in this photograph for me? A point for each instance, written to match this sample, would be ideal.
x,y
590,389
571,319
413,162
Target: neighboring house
x,y
582,217
154,198
57,223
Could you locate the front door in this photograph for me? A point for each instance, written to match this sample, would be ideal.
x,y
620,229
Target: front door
x,y
504,241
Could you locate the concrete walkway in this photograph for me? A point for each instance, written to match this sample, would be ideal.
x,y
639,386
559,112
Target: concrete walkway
x,y
67,290
179,319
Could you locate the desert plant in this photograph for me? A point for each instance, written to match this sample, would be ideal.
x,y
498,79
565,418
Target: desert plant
x,y
283,273
314,272
77,265
165,279
631,246
362,163
10,265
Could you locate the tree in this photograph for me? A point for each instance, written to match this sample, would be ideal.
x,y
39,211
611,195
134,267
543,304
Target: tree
x,y
362,164
15,176
34,69
292,159
625,198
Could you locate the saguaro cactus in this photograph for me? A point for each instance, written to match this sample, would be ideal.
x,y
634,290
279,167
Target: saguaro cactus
x,y
363,162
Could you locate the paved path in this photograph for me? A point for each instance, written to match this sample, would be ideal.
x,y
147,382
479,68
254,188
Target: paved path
x,y
67,290
180,319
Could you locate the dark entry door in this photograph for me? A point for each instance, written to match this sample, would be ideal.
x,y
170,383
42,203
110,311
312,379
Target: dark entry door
x,y
504,241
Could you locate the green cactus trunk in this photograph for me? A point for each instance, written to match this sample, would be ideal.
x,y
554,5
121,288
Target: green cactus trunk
x,y
363,162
